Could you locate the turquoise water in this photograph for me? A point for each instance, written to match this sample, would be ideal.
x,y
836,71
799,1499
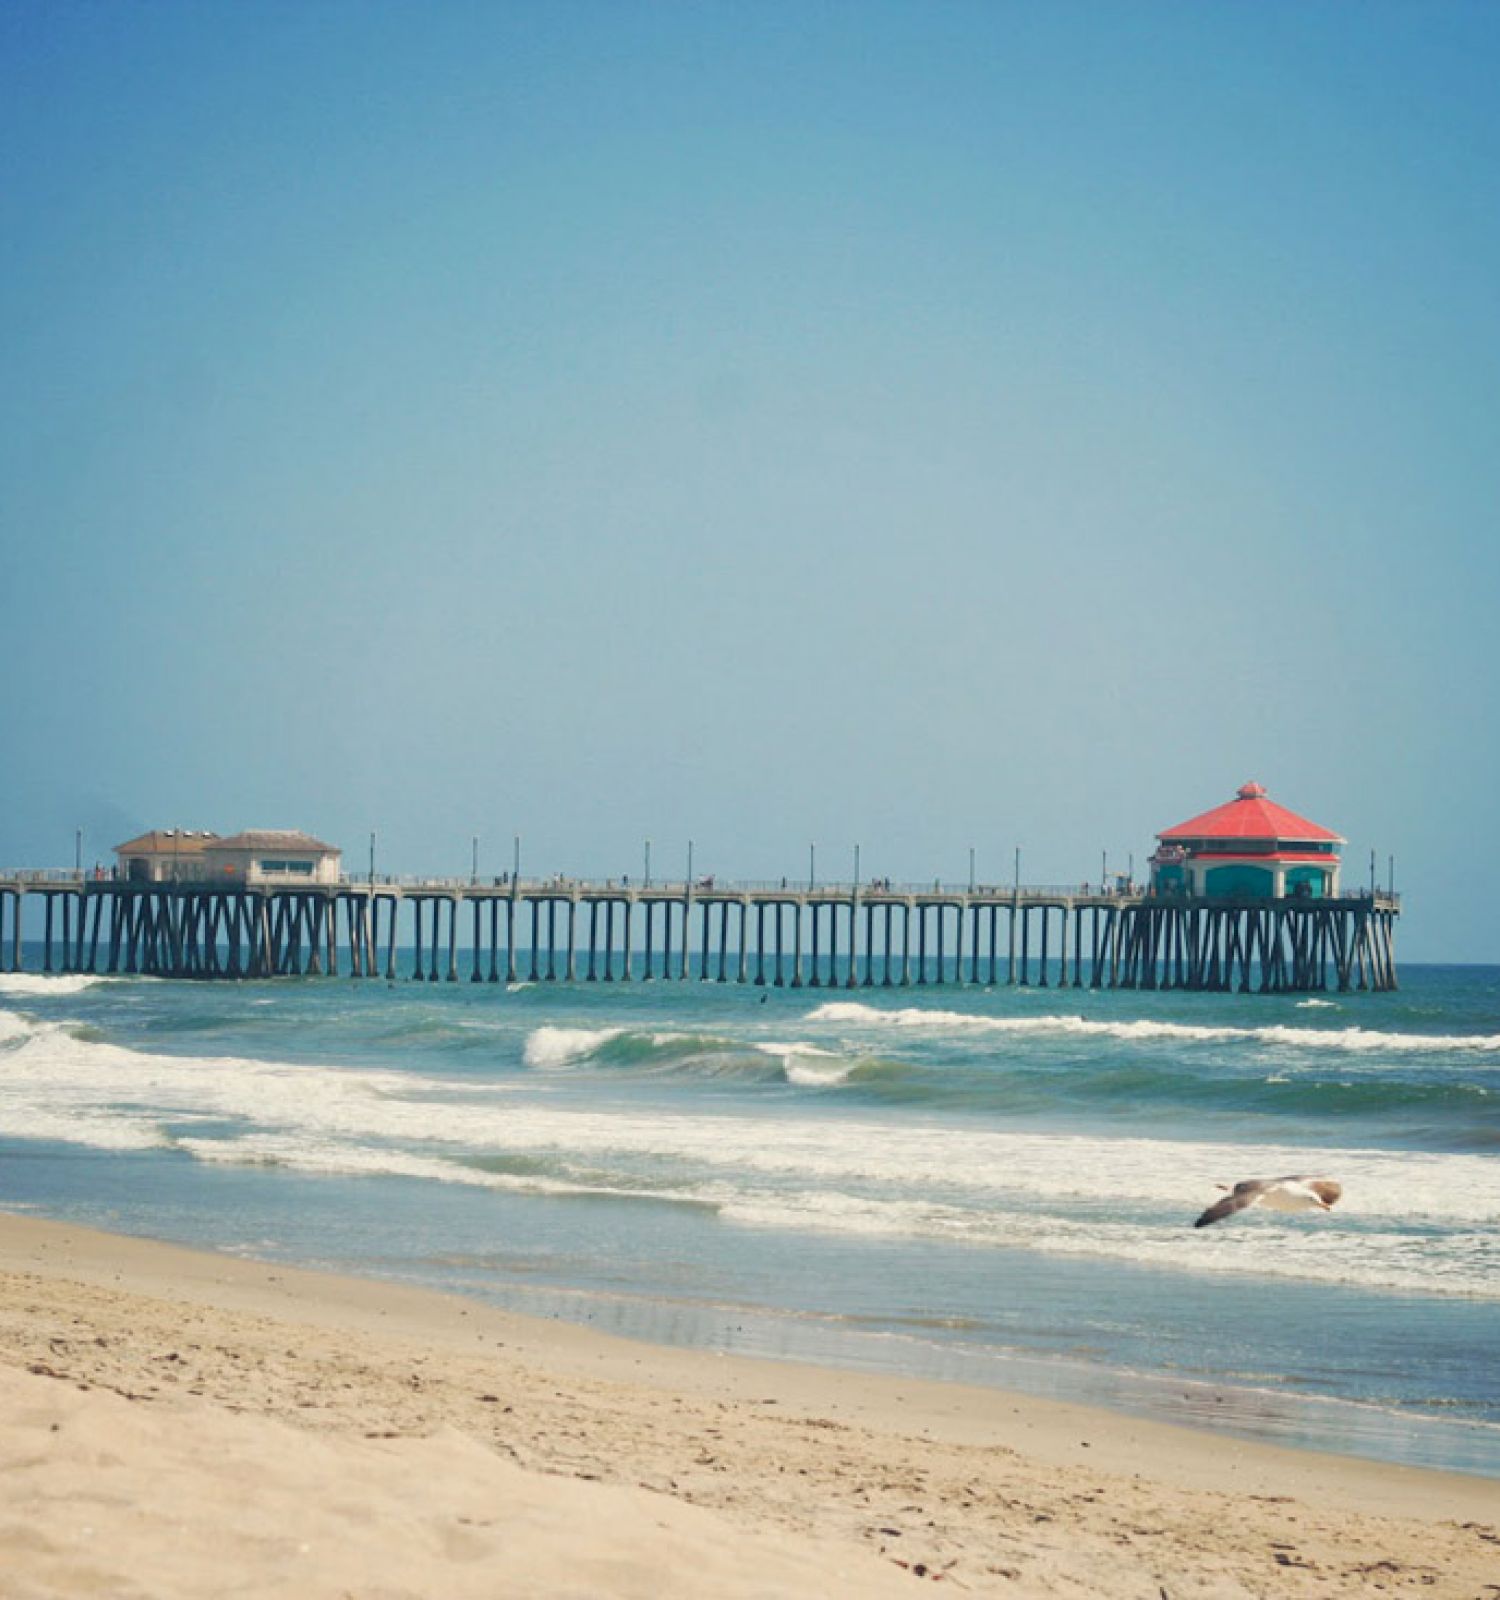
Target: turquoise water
x,y
994,1185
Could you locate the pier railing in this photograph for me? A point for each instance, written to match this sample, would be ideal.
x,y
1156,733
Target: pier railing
x,y
43,878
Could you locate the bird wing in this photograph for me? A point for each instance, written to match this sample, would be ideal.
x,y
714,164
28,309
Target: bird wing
x,y
1326,1189
1244,1194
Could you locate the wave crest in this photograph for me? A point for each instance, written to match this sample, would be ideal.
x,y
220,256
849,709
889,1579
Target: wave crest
x,y
1350,1039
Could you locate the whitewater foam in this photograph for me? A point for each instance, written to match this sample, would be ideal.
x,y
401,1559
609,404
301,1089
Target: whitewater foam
x,y
24,985
53,1072
809,1066
560,1047
853,1012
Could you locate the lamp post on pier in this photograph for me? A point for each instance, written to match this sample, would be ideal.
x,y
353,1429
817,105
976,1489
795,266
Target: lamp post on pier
x,y
474,861
648,863
690,864
812,867
971,869
515,875
372,858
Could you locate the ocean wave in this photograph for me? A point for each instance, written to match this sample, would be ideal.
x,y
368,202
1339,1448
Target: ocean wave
x,y
13,1027
810,1066
25,985
798,1062
56,1085
560,1047
1350,1039
334,1158
1313,1251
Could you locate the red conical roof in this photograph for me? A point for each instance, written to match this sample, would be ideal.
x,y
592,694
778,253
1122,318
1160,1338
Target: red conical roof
x,y
1251,815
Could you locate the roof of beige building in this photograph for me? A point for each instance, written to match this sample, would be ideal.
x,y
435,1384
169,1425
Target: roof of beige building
x,y
291,839
169,842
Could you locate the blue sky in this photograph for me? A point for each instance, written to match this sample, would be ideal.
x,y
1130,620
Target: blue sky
x,y
925,426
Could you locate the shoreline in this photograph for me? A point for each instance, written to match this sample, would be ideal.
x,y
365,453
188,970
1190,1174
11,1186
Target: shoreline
x,y
998,1492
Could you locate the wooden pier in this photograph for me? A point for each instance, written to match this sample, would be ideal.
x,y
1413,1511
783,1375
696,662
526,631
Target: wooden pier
x,y
842,936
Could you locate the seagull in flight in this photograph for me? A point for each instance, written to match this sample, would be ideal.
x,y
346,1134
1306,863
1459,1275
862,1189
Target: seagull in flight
x,y
1276,1194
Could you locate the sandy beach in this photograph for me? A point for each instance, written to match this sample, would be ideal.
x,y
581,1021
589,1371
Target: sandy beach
x,y
180,1423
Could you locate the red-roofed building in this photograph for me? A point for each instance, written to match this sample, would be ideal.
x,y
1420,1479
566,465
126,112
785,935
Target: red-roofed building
x,y
1250,848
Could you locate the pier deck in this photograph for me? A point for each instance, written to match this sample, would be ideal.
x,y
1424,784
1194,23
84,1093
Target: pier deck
x,y
777,934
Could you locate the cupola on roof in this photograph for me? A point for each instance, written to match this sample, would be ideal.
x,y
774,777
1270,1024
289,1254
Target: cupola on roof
x,y
1252,815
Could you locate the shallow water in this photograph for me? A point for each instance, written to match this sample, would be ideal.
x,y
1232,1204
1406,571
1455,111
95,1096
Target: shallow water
x,y
994,1185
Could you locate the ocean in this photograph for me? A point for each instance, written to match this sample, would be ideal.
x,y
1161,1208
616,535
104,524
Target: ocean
x,y
991,1185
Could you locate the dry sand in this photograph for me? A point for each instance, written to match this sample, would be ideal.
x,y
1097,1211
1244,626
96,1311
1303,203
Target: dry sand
x,y
175,1423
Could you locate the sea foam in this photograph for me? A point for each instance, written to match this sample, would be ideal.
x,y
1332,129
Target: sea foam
x,y
852,1012
39,985
558,1047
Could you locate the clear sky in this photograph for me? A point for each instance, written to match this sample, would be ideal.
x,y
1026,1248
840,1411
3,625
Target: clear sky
x,y
923,425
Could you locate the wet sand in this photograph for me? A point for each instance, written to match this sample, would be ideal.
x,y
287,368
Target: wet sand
x,y
177,1423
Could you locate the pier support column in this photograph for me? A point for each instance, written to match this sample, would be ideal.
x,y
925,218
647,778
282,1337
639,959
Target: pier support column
x,y
797,944
744,942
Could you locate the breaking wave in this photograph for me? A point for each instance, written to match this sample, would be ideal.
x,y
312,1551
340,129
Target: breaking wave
x,y
37,985
853,1012
705,1055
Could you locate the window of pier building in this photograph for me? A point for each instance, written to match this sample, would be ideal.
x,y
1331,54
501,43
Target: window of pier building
x,y
1240,881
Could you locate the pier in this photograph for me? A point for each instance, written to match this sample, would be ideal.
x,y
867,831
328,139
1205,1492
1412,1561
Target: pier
x,y
835,936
